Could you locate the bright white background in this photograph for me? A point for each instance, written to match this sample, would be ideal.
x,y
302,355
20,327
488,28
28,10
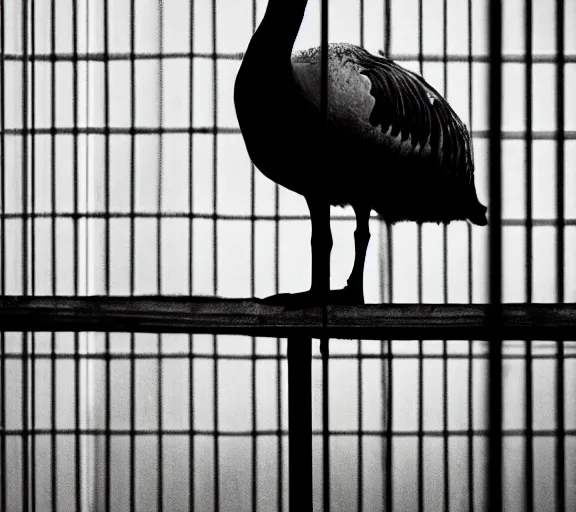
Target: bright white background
x,y
166,94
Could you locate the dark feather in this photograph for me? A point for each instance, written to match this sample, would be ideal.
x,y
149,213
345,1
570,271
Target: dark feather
x,y
403,103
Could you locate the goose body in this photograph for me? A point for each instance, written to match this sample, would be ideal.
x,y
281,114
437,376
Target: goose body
x,y
394,144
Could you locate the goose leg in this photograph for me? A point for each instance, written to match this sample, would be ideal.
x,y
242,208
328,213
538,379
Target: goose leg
x,y
355,286
321,245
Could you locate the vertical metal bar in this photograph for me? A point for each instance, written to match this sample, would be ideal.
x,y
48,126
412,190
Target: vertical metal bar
x,y
420,469
528,144
325,426
529,479
420,423
324,61
75,192
470,412
53,396
471,504
33,254
360,429
132,388
25,387
446,461
389,433
3,194
254,416
252,294
215,247
387,27
387,368
495,364
560,436
360,505
390,394
561,432
560,150
325,283
191,438
279,401
25,262
191,475
32,175
381,295
280,460
132,384
324,99
160,436
300,423
160,440
107,261
361,23
446,453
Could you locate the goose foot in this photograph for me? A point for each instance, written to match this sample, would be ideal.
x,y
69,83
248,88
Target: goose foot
x,y
348,296
345,297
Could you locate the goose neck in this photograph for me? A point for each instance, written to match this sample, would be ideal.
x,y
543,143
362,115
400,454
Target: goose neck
x,y
280,25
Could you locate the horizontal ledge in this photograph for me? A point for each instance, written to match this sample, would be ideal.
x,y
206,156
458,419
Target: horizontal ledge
x,y
213,315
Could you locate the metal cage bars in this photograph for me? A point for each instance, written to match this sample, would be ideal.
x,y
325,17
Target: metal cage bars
x,y
560,135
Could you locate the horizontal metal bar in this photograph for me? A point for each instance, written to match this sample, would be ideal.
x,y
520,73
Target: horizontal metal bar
x,y
115,56
121,56
213,315
231,217
271,357
111,130
275,433
228,130
511,58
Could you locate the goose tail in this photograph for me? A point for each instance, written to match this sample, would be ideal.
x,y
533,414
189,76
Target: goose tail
x,y
477,212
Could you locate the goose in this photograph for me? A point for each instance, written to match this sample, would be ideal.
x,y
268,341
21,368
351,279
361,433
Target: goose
x,y
392,143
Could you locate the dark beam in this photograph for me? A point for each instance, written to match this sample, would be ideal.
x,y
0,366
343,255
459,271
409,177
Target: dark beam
x,y
252,317
300,423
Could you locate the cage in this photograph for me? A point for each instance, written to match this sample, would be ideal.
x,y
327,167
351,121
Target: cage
x,y
126,193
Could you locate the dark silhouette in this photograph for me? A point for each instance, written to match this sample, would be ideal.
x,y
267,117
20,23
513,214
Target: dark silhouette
x,y
393,144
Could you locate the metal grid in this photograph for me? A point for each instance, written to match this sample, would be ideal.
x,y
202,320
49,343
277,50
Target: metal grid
x,y
23,441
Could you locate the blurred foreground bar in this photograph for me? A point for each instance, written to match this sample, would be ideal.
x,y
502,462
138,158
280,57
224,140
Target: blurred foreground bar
x,y
199,314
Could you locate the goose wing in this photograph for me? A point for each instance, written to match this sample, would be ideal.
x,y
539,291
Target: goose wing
x,y
375,99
